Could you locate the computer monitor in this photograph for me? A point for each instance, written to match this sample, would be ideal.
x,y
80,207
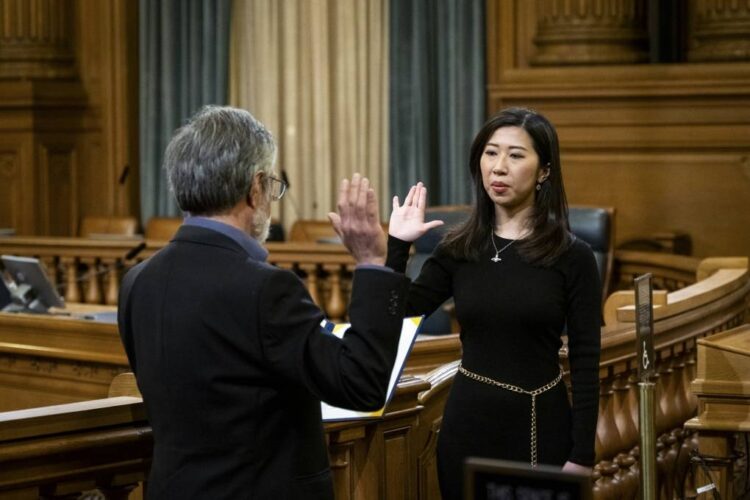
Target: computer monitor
x,y
487,479
31,289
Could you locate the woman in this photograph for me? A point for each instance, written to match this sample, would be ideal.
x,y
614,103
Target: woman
x,y
520,280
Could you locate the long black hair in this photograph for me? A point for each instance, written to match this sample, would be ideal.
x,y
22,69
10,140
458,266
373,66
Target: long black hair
x,y
548,221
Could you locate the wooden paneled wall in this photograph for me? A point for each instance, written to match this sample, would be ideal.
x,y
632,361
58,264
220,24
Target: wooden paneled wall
x,y
68,112
666,144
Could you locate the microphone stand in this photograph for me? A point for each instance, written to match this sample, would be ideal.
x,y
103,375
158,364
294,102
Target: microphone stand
x,y
94,273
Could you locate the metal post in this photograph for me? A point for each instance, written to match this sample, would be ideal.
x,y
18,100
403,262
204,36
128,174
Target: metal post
x,y
646,388
646,391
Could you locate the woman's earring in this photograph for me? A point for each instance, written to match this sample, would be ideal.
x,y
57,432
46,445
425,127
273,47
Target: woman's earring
x,y
538,186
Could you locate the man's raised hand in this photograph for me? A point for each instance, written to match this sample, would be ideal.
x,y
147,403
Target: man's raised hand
x,y
358,221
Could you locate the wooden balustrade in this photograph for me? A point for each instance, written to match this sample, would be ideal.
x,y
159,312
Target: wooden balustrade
x,y
714,298
106,444
717,302
89,270
713,304
670,272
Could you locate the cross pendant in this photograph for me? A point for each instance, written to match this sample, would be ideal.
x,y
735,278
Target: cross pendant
x,y
496,258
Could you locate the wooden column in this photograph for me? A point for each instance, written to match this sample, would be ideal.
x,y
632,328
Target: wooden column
x,y
720,31
583,32
40,108
68,110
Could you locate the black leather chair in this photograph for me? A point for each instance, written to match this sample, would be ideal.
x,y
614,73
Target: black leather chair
x,y
595,226
5,298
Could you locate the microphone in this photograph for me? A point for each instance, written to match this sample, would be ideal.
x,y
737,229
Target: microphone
x,y
133,252
130,255
289,196
124,174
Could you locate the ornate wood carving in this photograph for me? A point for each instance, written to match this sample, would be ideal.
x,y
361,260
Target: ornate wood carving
x,y
639,137
720,31
67,109
9,189
36,39
586,32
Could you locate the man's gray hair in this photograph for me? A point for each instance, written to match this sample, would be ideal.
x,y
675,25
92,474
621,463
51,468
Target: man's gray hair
x,y
210,161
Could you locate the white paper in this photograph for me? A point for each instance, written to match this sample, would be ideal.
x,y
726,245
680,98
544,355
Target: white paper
x,y
409,331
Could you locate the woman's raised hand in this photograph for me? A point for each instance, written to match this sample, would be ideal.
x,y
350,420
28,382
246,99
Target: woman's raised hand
x,y
407,220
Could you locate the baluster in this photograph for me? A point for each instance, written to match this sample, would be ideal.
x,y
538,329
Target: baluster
x,y
621,408
661,419
93,290
112,280
630,412
72,291
661,397
605,486
336,306
311,281
633,401
51,269
626,476
668,387
608,438
689,375
682,409
346,284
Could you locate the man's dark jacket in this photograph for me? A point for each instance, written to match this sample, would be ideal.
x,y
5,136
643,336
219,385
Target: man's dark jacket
x,y
232,363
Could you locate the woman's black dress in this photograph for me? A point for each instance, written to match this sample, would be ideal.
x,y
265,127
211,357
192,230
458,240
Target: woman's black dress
x,y
512,316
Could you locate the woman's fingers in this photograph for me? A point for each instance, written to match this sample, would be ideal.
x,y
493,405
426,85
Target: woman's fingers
x,y
432,224
410,196
422,199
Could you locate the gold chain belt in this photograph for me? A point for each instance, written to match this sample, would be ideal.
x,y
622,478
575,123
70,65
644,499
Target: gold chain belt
x,y
515,388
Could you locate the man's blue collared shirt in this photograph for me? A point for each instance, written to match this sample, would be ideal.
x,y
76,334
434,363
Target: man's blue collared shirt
x,y
251,246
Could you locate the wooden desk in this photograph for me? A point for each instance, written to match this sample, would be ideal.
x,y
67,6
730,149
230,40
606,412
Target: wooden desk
x,y
722,386
49,359
55,359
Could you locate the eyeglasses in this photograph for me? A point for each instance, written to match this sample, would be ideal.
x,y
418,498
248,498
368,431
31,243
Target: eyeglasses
x,y
277,188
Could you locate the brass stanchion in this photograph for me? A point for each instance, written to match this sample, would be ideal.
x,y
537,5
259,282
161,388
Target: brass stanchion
x,y
646,388
647,441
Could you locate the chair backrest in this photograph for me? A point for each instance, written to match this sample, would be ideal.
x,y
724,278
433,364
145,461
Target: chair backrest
x,y
162,228
311,231
5,298
595,226
316,231
121,225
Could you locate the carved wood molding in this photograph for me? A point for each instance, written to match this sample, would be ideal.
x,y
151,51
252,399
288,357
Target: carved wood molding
x,y
720,31
36,39
576,32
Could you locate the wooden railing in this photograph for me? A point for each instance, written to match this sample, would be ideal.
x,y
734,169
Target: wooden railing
x,y
106,444
714,299
89,270
717,302
670,272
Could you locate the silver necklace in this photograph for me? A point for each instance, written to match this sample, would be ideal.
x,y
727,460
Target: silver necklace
x,y
497,258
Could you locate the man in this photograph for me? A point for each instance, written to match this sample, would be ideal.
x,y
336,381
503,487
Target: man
x,y
228,350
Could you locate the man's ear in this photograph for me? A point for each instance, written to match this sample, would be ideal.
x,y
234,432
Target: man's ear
x,y
256,190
